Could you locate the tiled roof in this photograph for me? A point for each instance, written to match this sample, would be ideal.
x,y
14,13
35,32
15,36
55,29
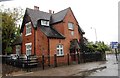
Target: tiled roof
x,y
36,15
50,32
18,41
57,17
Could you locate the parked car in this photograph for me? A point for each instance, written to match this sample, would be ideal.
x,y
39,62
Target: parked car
x,y
14,58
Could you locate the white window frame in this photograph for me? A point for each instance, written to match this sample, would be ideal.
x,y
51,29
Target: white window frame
x,y
44,22
72,33
28,28
60,50
18,49
28,49
70,26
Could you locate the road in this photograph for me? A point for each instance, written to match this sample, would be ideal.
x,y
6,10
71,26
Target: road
x,y
100,68
112,67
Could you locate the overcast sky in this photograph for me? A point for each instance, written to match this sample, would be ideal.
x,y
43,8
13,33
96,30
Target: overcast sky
x,y
101,15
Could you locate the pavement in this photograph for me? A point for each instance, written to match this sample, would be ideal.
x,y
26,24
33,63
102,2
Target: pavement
x,y
84,69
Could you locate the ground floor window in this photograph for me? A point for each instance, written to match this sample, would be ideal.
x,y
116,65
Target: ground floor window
x,y
28,48
18,49
60,51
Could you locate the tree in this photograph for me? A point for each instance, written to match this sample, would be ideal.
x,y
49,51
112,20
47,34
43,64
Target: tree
x,y
10,18
99,46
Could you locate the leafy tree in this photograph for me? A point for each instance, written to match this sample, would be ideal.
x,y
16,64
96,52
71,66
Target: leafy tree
x,y
10,18
98,46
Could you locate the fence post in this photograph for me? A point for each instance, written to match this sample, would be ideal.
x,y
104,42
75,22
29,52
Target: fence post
x,y
68,59
43,62
49,60
78,58
27,64
55,60
18,60
84,57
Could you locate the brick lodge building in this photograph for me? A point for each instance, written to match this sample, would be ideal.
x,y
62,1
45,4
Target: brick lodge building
x,y
49,34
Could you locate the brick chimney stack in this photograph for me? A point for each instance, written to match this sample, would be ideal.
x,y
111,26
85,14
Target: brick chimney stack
x,y
36,8
50,11
53,12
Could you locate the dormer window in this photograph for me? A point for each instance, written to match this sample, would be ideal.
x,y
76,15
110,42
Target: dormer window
x,y
45,22
70,26
28,28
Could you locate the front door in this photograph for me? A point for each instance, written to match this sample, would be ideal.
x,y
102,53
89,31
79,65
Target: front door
x,y
73,55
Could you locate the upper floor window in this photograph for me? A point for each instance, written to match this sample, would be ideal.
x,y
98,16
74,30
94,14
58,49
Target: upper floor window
x,y
28,28
60,51
28,48
70,26
44,22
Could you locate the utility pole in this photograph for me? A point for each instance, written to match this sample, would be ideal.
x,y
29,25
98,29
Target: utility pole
x,y
95,33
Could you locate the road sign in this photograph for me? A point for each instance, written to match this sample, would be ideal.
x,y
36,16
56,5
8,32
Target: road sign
x,y
114,45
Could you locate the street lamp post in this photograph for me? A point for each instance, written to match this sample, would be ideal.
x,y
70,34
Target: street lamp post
x,y
95,32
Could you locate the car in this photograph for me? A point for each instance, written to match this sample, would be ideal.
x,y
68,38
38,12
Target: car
x,y
13,59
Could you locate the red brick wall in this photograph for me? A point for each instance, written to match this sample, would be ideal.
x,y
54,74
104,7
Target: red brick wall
x,y
53,45
59,27
41,42
27,39
63,28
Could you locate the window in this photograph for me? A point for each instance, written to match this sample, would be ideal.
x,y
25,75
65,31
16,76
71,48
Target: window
x,y
72,33
60,50
43,22
70,26
18,49
28,28
28,48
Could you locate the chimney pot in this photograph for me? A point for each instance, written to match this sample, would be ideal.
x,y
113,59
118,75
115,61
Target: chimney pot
x,y
36,8
50,11
53,12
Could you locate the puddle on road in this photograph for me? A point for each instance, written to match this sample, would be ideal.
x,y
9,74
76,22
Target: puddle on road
x,y
88,72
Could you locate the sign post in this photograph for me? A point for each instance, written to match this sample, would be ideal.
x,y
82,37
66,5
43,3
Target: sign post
x,y
114,45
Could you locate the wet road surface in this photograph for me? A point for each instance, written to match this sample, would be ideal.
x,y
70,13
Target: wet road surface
x,y
112,67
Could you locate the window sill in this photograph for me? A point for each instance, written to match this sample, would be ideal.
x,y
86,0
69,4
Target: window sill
x,y
71,29
28,34
60,55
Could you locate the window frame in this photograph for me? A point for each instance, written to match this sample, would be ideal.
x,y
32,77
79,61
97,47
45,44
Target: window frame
x,y
60,47
28,49
45,24
72,33
70,26
28,28
18,49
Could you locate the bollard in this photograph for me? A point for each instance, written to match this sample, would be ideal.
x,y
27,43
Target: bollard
x,y
68,59
49,60
18,61
55,60
27,63
78,58
43,62
116,54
